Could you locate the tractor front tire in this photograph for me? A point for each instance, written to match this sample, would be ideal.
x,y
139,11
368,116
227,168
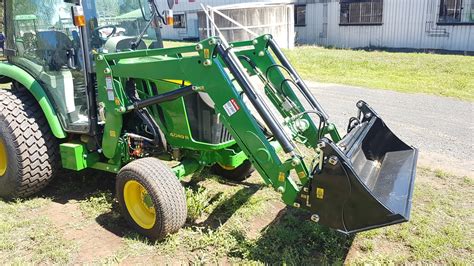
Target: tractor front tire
x,y
240,173
151,198
28,150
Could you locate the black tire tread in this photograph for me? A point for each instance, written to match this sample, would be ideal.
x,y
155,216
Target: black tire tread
x,y
36,147
238,174
162,183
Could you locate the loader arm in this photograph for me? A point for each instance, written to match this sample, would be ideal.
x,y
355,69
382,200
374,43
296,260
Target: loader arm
x,y
326,180
226,95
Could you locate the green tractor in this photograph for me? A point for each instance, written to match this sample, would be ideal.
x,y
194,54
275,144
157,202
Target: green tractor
x,y
84,97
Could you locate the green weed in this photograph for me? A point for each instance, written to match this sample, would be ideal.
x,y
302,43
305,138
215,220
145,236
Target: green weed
x,y
97,203
197,202
226,225
441,174
468,180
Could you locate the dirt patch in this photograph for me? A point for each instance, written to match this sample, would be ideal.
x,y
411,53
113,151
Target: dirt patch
x,y
151,260
93,242
384,247
448,164
266,218
170,260
249,224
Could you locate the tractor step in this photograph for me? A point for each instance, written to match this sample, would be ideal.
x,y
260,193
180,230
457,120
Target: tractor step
x,y
367,181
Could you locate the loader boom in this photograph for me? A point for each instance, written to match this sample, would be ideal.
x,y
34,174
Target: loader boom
x,y
119,102
225,75
211,60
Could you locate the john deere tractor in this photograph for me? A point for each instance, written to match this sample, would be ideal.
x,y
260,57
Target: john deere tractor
x,y
83,96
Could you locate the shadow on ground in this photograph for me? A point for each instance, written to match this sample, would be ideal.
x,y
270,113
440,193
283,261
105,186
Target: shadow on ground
x,y
82,186
78,186
289,239
292,239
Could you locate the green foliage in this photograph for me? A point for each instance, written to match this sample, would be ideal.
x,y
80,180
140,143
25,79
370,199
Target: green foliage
x,y
111,8
441,174
127,6
42,9
98,203
468,180
197,202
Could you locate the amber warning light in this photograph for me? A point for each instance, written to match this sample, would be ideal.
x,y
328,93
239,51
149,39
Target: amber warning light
x,y
79,18
169,17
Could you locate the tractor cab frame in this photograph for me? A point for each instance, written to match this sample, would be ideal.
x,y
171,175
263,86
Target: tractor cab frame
x,y
44,41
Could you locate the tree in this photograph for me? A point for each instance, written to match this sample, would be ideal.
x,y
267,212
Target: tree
x,y
108,8
130,5
40,8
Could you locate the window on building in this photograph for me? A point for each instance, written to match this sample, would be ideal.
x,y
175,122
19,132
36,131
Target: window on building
x,y
361,12
456,11
179,21
300,15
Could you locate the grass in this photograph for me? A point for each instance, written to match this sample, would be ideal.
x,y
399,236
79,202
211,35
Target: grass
x,y
221,232
169,44
244,224
29,238
97,203
443,75
198,202
440,230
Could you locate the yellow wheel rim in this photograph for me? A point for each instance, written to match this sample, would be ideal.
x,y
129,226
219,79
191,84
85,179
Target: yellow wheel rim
x,y
227,167
3,158
139,204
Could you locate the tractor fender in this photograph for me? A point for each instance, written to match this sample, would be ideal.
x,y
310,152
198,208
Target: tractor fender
x,y
9,72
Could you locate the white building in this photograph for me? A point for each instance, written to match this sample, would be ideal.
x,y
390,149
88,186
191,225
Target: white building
x,y
399,24
186,16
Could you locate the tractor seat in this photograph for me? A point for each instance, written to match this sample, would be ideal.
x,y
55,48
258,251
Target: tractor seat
x,y
122,44
52,47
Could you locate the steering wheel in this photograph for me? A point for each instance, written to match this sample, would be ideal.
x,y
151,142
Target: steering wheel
x,y
99,34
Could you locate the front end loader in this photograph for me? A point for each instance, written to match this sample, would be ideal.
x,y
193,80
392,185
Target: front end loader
x,y
233,107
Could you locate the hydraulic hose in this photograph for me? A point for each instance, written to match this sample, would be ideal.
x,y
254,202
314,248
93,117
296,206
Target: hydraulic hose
x,y
301,85
233,63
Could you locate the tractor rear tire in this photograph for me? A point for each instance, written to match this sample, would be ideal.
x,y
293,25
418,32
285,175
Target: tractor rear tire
x,y
151,198
240,173
29,156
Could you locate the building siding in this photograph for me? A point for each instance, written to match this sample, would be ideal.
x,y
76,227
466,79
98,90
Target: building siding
x,y
277,20
406,24
190,9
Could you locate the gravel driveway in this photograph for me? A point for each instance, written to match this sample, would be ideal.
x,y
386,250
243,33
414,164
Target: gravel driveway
x,y
442,128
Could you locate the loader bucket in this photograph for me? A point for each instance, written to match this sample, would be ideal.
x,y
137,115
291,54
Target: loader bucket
x,y
367,180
